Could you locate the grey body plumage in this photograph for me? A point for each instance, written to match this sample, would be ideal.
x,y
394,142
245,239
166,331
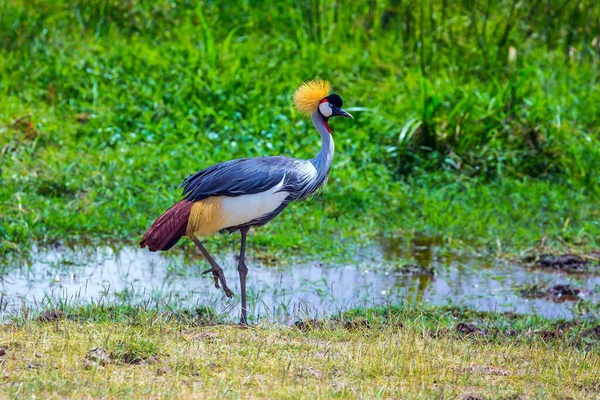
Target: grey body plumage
x,y
301,178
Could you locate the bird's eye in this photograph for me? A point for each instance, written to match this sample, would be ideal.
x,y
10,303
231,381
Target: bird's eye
x,y
325,109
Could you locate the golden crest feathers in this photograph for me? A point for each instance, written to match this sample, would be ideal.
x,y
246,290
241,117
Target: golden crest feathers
x,y
309,94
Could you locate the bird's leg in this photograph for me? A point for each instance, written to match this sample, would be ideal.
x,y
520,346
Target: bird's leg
x,y
217,271
243,270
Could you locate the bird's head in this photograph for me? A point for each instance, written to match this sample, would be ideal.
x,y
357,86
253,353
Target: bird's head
x,y
313,97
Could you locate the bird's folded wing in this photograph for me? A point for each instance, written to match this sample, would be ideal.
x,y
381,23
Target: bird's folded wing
x,y
237,177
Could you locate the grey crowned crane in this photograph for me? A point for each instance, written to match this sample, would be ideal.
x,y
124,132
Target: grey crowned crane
x,y
240,194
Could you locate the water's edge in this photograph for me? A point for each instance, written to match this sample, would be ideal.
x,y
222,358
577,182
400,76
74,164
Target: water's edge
x,y
130,275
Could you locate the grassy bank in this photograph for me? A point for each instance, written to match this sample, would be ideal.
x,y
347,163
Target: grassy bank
x,y
463,215
106,106
410,353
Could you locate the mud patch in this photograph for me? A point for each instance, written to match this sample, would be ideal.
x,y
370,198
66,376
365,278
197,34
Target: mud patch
x,y
565,263
550,335
566,292
557,293
593,333
487,327
470,329
51,315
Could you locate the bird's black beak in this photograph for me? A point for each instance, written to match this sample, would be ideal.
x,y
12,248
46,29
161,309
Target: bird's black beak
x,y
342,113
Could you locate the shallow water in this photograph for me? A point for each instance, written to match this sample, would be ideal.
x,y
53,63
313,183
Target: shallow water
x,y
288,292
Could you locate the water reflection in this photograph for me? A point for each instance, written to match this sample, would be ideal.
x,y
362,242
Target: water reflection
x,y
134,275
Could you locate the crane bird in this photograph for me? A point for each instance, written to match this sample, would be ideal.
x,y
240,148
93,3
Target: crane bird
x,y
237,195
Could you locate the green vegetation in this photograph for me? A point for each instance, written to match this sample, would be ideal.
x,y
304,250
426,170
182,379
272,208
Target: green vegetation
x,y
105,106
408,353
476,125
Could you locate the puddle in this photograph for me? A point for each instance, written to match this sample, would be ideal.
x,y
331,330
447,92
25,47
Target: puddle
x,y
285,293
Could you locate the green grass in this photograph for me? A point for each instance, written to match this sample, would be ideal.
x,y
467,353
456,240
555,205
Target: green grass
x,y
408,353
106,106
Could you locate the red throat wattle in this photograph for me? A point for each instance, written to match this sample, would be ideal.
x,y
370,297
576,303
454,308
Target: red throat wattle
x,y
327,127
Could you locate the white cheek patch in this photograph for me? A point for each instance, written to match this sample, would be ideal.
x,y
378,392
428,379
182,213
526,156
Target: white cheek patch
x,y
325,109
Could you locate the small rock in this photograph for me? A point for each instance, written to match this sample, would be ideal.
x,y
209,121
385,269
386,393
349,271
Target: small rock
x,y
3,351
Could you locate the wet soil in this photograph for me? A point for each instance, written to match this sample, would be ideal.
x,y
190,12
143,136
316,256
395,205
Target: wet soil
x,y
566,262
51,315
469,329
556,293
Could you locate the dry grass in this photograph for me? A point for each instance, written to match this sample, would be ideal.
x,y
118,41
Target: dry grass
x,y
172,359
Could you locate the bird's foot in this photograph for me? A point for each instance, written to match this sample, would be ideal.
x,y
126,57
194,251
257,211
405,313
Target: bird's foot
x,y
219,276
215,277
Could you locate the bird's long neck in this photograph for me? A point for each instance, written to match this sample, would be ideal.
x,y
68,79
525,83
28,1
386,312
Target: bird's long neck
x,y
323,160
